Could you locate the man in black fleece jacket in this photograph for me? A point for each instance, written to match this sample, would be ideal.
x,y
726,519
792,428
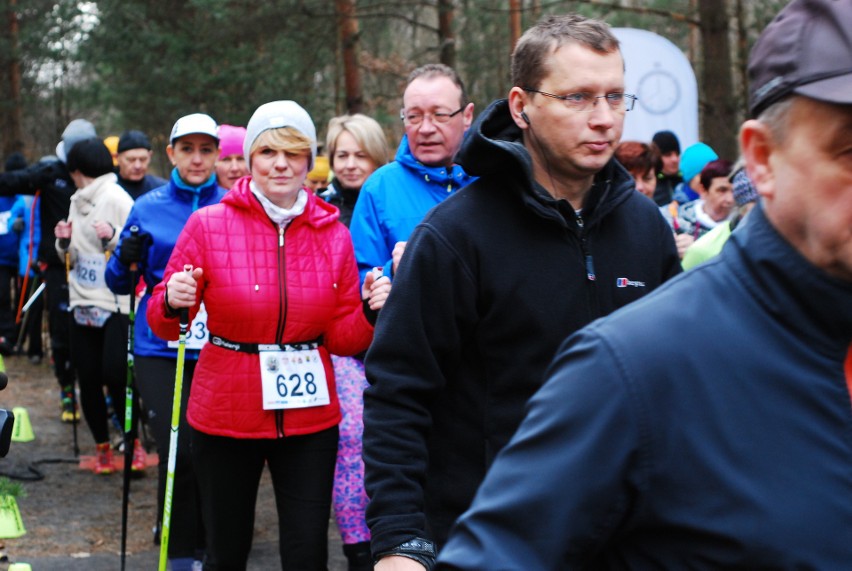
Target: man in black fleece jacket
x,y
552,236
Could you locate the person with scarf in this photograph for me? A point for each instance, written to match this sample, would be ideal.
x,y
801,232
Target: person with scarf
x,y
357,147
276,272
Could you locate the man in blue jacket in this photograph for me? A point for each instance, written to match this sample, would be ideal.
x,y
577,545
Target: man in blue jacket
x,y
394,199
707,426
550,236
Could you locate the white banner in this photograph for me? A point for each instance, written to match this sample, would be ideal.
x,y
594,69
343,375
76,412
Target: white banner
x,y
660,75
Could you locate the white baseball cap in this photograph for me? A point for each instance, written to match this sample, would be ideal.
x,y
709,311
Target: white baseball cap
x,y
197,123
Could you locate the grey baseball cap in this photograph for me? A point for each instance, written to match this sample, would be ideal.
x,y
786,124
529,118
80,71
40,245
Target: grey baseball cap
x,y
76,131
807,50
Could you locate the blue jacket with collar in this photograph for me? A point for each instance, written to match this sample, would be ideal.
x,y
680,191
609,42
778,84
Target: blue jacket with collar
x,y
393,200
706,426
160,215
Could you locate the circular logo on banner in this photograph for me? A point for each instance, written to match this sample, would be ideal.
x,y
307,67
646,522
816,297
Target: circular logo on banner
x,y
658,92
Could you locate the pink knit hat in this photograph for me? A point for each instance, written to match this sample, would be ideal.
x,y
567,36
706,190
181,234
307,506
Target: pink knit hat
x,y
231,140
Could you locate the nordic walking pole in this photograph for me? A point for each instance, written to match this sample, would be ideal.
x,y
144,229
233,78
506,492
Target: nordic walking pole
x,y
105,247
65,244
173,437
128,404
22,333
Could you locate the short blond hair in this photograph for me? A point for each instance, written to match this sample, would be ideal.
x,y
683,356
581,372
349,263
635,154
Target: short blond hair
x,y
282,139
366,132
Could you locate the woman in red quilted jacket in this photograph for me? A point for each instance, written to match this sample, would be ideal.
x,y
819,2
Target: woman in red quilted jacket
x,y
277,274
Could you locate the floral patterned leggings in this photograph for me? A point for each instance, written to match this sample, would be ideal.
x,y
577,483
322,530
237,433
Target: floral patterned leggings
x,y
349,498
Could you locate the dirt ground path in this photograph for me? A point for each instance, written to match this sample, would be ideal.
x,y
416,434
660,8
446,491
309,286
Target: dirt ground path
x,y
72,516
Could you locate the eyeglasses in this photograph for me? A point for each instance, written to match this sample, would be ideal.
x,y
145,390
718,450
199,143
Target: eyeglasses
x,y
586,101
415,118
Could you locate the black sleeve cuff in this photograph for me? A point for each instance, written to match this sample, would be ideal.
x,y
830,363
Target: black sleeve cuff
x,y
421,550
371,314
170,311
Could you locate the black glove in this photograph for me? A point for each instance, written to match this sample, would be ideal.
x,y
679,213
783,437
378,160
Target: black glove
x,y
18,225
131,249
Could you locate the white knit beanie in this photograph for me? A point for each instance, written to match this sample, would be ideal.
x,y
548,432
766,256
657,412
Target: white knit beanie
x,y
277,114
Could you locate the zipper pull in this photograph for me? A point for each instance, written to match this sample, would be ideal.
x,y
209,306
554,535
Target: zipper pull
x,y
280,236
590,268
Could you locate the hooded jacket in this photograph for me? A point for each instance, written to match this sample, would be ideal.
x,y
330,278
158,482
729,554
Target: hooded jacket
x,y
393,200
492,281
160,216
263,284
732,454
102,200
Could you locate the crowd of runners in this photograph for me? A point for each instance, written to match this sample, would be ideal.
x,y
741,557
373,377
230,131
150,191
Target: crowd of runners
x,y
387,334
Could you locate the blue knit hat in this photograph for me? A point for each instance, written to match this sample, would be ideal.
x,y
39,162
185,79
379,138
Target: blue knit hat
x,y
694,159
744,191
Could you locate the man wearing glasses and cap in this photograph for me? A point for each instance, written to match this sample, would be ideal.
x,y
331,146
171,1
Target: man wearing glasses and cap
x,y
394,199
551,236
708,427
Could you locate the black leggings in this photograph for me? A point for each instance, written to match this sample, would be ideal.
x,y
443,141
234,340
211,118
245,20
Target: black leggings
x,y
58,319
155,379
228,472
99,355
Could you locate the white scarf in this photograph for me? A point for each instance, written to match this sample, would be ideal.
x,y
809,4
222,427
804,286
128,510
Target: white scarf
x,y
281,216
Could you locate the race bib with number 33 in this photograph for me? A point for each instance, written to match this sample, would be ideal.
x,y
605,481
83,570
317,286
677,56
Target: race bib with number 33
x,y
197,335
293,379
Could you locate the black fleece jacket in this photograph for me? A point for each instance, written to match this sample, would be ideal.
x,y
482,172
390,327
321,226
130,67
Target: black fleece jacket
x,y
51,177
492,281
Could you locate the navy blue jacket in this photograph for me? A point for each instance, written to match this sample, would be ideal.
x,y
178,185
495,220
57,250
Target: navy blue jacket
x,y
707,426
160,215
492,281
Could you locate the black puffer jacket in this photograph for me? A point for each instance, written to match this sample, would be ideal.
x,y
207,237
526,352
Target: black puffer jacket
x,y
492,281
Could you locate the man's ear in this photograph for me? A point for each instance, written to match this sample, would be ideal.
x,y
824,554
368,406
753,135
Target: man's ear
x,y
170,151
468,116
757,146
517,104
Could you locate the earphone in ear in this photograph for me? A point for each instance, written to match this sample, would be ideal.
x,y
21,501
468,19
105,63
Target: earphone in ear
x,y
525,118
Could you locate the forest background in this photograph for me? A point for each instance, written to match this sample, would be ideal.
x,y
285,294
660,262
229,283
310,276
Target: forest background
x,y
141,64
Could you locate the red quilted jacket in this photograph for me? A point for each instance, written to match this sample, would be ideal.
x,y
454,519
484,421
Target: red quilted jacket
x,y
260,287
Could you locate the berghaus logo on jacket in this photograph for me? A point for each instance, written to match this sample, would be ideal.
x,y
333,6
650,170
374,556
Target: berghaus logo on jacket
x,y
624,282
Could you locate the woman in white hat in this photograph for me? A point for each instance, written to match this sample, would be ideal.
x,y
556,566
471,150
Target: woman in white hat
x,y
277,274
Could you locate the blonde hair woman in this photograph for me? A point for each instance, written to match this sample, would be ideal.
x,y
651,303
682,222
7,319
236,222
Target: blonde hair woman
x,y
277,274
356,146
